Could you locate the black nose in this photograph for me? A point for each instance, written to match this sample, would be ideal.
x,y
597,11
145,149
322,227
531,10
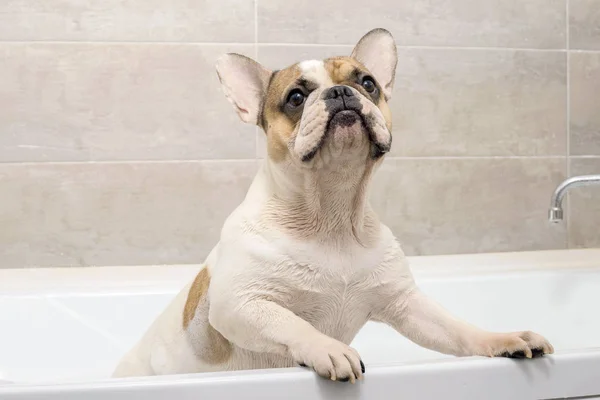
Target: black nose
x,y
338,91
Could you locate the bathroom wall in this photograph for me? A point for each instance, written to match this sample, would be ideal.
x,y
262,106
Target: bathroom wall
x,y
117,147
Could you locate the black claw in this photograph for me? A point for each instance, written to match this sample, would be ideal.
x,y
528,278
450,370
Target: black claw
x,y
362,366
537,353
302,365
345,379
517,354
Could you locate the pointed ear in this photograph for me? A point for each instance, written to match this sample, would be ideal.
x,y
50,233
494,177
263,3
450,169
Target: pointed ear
x,y
244,82
377,51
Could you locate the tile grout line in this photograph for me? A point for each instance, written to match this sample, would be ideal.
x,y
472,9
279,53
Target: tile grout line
x,y
256,25
128,42
256,43
583,51
424,47
410,158
245,160
568,169
585,157
130,162
256,129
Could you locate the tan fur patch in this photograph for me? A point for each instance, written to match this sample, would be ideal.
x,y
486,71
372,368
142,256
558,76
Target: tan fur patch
x,y
219,349
215,349
278,126
341,69
387,113
197,291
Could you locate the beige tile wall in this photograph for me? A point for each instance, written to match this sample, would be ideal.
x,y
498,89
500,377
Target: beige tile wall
x,y
117,147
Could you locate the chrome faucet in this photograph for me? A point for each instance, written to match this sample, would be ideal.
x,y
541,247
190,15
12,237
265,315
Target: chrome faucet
x,y
556,212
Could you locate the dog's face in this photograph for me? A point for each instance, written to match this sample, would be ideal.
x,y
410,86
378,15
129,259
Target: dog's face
x,y
315,112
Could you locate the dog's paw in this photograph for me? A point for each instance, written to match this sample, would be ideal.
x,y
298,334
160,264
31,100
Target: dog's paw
x,y
331,359
524,344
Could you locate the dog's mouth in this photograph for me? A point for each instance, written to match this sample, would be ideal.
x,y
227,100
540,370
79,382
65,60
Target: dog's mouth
x,y
347,118
344,118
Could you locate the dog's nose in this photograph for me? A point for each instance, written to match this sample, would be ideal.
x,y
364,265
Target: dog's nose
x,y
338,91
340,97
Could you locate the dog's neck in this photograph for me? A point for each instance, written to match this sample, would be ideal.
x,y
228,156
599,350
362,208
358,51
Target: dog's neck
x,y
329,203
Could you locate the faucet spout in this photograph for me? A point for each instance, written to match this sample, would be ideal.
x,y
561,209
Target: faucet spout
x,y
555,213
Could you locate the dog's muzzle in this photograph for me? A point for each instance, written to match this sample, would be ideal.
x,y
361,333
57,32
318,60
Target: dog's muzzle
x,y
339,99
345,109
340,106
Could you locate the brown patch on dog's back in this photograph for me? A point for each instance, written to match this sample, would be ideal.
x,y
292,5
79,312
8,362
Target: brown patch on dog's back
x,y
197,291
214,349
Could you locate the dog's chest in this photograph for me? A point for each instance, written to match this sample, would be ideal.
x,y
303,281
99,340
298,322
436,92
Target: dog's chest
x,y
337,309
333,289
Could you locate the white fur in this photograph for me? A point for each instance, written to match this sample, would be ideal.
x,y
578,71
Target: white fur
x,y
314,71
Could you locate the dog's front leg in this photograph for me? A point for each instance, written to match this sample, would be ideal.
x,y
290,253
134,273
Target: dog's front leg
x,y
426,323
264,326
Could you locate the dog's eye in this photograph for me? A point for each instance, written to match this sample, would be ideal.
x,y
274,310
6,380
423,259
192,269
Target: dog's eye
x,y
296,98
369,84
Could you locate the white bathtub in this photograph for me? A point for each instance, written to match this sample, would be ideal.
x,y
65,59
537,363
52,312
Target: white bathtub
x,y
63,330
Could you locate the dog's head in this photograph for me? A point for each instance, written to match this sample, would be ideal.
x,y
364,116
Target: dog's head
x,y
318,111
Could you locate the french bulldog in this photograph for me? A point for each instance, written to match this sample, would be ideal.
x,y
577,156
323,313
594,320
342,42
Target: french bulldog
x,y
304,262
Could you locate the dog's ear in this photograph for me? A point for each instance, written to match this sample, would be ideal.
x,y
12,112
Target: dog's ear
x,y
244,82
377,51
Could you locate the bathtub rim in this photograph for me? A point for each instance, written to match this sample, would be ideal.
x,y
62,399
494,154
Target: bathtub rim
x,y
579,371
169,278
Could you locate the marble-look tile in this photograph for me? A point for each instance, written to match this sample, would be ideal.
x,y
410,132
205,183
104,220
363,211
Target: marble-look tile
x,y
137,20
584,206
585,104
450,206
450,102
584,24
480,103
72,102
86,214
480,23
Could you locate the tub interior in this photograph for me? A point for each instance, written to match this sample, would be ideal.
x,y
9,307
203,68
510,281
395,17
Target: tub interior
x,y
52,331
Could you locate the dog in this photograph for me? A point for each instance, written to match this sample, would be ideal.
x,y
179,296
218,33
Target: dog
x,y
304,262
